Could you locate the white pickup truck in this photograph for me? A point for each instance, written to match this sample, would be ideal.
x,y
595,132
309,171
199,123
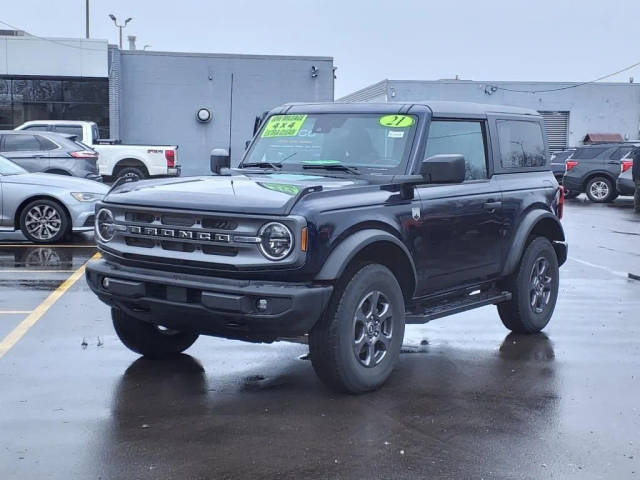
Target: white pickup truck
x,y
116,160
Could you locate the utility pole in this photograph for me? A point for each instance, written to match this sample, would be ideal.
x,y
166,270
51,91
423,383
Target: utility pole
x,y
120,27
87,19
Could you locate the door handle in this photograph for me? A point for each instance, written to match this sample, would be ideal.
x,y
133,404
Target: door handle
x,y
38,156
492,206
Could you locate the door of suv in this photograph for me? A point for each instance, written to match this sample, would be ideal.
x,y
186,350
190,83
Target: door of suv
x,y
460,229
25,150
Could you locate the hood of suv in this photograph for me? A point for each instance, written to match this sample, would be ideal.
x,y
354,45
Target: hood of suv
x,y
257,194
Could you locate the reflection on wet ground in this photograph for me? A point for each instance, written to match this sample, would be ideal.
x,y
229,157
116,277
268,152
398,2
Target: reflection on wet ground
x,y
468,400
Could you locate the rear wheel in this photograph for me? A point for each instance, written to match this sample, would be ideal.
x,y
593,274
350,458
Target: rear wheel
x,y
534,289
636,199
601,190
355,345
135,173
44,221
571,194
148,339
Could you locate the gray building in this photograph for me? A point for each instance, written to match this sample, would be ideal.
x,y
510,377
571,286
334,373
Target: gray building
x,y
571,112
155,97
152,97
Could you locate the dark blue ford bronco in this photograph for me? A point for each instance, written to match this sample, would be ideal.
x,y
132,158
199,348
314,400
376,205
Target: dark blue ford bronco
x,y
342,223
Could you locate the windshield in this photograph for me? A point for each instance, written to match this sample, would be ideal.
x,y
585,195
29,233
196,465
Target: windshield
x,y
334,141
7,167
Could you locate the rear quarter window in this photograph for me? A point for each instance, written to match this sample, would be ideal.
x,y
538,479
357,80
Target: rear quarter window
x,y
589,153
521,144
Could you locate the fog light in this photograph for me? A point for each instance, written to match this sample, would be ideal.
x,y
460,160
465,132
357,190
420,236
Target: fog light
x,y
262,305
105,283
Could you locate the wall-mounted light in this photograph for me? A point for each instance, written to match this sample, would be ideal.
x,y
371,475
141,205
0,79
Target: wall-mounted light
x,y
314,71
203,115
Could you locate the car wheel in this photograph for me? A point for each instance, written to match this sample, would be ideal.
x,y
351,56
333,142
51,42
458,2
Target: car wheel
x,y
134,173
601,190
148,339
534,289
355,345
44,221
636,200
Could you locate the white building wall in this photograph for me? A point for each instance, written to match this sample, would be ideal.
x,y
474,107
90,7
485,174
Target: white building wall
x,y
54,57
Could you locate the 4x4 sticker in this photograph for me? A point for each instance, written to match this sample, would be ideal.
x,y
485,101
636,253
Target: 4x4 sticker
x,y
283,126
396,121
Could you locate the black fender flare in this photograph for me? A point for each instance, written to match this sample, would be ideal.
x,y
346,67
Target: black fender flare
x,y
346,251
527,225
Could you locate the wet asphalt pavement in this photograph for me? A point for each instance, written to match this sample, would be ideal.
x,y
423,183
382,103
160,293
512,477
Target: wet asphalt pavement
x,y
467,400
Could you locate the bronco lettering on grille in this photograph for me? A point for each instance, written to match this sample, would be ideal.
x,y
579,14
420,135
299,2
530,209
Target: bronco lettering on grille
x,y
180,234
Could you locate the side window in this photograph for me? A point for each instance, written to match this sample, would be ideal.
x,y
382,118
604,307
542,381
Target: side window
x,y
465,137
620,152
20,143
70,129
521,144
45,143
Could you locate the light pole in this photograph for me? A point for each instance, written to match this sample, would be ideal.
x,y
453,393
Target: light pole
x,y
86,11
120,27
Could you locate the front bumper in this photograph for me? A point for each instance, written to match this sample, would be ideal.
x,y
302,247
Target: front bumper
x,y
572,184
213,306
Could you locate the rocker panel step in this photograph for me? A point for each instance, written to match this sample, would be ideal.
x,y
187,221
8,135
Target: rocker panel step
x,y
468,302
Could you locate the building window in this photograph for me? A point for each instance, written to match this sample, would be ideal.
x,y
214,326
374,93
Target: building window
x,y
23,99
521,144
461,137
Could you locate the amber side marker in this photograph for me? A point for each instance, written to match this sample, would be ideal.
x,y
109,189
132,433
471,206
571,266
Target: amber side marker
x,y
303,239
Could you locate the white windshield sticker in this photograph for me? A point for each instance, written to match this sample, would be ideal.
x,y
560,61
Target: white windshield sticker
x,y
396,134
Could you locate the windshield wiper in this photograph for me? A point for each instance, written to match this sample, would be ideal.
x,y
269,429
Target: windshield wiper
x,y
335,167
274,166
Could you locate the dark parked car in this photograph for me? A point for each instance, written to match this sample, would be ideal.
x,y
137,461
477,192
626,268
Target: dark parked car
x,y
625,184
594,169
343,222
50,153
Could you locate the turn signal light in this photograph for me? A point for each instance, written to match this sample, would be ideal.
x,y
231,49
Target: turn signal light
x,y
303,239
625,165
570,164
560,211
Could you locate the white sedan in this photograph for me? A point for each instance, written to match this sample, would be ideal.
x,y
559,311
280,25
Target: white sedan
x,y
44,206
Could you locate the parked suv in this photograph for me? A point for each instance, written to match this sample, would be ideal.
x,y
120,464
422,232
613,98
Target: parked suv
x,y
50,153
344,222
594,169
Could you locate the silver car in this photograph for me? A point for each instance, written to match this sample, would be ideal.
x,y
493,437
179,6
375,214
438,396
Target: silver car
x,y
43,206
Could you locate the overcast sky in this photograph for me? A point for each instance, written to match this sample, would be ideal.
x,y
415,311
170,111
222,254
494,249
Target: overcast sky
x,y
370,40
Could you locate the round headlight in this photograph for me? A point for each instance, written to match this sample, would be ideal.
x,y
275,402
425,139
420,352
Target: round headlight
x,y
105,225
276,241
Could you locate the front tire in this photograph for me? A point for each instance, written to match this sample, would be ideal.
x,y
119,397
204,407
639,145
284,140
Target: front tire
x,y
534,288
355,345
44,221
148,339
601,190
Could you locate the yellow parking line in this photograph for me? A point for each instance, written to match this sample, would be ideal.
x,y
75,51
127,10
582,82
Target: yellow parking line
x,y
13,312
23,327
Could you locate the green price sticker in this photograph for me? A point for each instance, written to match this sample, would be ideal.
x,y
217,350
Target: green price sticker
x,y
281,187
283,126
397,121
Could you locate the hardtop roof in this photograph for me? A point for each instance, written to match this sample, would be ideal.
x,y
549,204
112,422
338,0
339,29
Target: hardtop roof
x,y
438,108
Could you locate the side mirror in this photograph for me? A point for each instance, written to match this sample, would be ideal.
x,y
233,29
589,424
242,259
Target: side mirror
x,y
246,144
444,169
220,159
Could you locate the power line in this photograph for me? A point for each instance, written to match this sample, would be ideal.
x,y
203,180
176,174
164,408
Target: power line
x,y
566,87
52,40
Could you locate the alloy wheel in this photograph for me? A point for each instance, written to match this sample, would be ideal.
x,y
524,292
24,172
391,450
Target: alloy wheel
x,y
540,285
373,329
43,222
599,190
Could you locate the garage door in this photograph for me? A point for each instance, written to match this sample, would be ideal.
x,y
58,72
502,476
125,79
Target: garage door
x,y
557,127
